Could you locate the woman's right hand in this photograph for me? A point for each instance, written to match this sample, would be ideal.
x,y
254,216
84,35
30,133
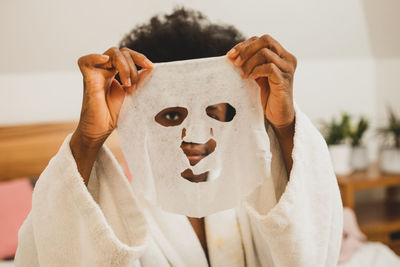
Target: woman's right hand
x,y
102,100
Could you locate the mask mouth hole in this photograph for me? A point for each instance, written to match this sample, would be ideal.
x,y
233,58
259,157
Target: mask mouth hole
x,y
223,112
191,177
196,152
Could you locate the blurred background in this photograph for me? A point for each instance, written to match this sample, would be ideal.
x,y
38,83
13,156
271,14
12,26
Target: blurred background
x,y
348,51
348,62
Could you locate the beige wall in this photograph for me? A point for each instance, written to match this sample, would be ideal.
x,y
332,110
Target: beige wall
x,y
48,35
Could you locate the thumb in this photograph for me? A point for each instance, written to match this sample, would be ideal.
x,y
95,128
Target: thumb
x,y
264,91
115,98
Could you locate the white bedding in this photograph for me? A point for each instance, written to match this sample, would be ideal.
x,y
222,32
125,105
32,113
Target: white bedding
x,y
7,264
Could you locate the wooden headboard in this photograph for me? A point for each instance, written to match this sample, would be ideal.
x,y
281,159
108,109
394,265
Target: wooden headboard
x,y
25,150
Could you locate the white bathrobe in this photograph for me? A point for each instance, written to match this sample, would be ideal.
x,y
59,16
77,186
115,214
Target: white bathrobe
x,y
283,223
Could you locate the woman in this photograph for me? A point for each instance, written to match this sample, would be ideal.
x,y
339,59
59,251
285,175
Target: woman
x,y
293,220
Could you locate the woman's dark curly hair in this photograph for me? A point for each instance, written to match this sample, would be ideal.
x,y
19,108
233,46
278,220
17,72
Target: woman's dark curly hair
x,y
184,34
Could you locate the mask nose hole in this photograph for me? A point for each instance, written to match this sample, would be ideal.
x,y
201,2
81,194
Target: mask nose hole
x,y
183,133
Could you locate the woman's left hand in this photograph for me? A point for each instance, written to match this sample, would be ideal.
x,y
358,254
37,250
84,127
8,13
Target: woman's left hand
x,y
266,61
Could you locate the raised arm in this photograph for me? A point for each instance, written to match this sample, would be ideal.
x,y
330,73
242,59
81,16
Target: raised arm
x,y
102,100
266,61
70,223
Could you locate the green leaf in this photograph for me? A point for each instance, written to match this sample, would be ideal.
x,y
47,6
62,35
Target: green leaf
x,y
336,132
392,131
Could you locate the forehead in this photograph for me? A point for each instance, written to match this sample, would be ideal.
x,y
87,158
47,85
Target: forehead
x,y
194,83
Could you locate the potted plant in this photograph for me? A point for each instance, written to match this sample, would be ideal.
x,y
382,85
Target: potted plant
x,y
389,159
336,135
359,153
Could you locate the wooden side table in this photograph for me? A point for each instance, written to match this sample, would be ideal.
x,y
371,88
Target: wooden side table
x,y
380,221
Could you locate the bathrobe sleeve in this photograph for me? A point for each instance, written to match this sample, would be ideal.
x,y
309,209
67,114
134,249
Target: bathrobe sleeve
x,y
70,225
298,221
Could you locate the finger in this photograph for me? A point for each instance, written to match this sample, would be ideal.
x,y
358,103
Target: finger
x,y
139,59
142,75
264,56
265,41
132,67
262,42
119,63
234,52
92,60
269,70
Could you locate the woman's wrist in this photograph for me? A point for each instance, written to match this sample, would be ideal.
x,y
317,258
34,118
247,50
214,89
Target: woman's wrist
x,y
285,136
284,130
84,153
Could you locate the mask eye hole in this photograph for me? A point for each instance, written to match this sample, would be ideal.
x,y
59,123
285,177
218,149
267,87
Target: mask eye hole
x,y
172,116
221,112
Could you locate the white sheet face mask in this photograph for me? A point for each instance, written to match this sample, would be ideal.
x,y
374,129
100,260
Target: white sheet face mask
x,y
184,103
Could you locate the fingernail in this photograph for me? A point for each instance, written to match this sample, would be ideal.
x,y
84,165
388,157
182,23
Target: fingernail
x,y
105,57
148,63
238,61
231,52
129,82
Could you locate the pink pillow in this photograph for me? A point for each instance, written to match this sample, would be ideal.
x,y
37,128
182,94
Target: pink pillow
x,y
353,238
15,204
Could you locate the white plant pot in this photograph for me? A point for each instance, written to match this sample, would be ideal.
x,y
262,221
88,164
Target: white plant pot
x,y
341,158
359,158
389,161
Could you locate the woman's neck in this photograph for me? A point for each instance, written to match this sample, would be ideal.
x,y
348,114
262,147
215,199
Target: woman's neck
x,y
199,229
